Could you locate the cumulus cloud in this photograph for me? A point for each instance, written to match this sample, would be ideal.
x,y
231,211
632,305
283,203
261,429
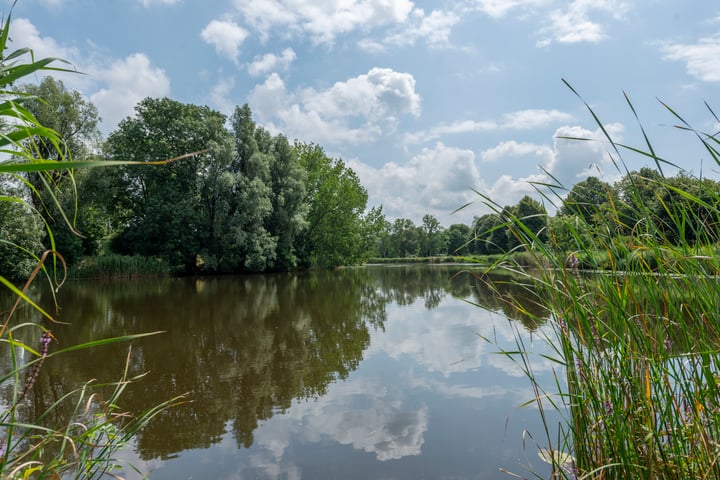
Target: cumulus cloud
x,y
127,82
573,24
440,179
701,59
514,149
434,29
323,21
226,36
271,62
437,181
356,110
25,34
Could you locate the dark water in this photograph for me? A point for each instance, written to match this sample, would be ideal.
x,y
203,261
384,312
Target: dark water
x,y
367,373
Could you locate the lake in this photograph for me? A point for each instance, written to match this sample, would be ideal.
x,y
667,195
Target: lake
x,y
379,372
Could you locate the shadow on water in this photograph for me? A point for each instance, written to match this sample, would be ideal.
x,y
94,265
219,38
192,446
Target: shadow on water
x,y
244,347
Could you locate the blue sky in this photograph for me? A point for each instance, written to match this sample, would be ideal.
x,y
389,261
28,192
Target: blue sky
x,y
426,101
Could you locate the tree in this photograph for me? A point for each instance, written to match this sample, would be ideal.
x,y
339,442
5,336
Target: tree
x,y
588,198
76,120
157,208
406,238
433,240
459,236
20,234
66,112
533,216
336,202
491,234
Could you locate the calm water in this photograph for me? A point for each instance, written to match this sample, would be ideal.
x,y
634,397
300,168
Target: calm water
x,y
367,373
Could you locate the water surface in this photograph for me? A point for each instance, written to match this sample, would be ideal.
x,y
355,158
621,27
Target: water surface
x,y
365,373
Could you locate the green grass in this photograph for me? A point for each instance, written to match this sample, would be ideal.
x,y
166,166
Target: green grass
x,y
636,344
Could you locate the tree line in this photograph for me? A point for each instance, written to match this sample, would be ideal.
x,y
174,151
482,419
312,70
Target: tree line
x,y
250,201
247,201
681,209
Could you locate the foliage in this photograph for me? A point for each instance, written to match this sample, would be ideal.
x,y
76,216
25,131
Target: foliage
x,y
119,266
157,206
638,350
35,158
336,202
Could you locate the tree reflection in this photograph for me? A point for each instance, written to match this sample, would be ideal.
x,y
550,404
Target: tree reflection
x,y
244,347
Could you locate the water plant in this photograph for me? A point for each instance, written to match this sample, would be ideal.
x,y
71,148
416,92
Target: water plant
x,y
84,443
637,344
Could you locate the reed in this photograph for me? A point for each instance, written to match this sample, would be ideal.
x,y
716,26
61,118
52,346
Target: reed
x,y
47,444
120,266
636,341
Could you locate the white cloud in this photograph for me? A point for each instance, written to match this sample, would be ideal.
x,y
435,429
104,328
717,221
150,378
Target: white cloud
x,y
320,19
533,118
128,81
220,95
356,110
437,181
271,62
572,24
114,87
440,179
701,59
435,29
568,161
518,120
226,36
500,8
150,3
513,149
26,35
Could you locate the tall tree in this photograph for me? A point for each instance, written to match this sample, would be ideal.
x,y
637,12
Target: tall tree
x,y
433,240
336,203
533,216
588,199
459,236
160,204
67,112
56,195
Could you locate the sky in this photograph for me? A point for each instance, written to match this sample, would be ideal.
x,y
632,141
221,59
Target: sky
x,y
434,104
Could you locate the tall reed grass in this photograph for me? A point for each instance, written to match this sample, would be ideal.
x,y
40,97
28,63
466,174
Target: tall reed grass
x,y
637,344
82,444
120,266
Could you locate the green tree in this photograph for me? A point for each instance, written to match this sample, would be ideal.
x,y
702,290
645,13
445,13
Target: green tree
x,y
589,199
432,237
20,234
68,113
533,216
459,236
336,203
158,207
491,234
406,238
76,120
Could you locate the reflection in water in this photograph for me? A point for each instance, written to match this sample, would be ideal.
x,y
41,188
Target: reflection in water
x,y
253,347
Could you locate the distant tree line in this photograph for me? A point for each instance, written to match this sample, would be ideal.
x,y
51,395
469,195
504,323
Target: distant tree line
x,y
682,209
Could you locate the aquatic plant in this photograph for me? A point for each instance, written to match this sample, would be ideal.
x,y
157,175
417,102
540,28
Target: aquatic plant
x,y
636,345
84,446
